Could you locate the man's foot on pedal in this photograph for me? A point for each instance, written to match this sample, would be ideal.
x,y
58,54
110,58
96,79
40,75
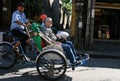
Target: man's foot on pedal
x,y
27,59
24,59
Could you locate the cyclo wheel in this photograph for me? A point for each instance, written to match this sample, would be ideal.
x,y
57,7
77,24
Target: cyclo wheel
x,y
7,57
51,64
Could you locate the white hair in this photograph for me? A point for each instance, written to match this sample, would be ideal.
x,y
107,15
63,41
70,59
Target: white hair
x,y
48,19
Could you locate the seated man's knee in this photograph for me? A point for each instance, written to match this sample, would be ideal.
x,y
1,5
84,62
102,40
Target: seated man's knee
x,y
65,46
69,43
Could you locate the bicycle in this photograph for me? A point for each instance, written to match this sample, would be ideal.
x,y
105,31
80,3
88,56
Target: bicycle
x,y
50,63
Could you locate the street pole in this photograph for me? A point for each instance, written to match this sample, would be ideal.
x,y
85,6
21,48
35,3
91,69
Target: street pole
x,y
84,28
78,39
89,24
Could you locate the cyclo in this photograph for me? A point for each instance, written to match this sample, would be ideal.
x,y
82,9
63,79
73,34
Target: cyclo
x,y
51,63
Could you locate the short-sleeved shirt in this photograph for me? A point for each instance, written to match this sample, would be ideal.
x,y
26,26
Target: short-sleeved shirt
x,y
18,16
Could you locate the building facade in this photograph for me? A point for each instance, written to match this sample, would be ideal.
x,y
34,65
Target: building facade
x,y
93,19
96,19
107,19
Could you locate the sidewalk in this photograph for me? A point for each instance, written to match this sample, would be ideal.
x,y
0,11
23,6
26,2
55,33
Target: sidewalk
x,y
105,49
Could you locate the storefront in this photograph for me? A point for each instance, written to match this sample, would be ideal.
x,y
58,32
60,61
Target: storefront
x,y
107,20
100,20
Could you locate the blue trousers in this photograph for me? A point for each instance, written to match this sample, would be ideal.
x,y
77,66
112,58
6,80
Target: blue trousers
x,y
70,51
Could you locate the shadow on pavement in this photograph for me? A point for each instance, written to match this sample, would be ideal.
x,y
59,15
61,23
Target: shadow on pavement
x,y
21,73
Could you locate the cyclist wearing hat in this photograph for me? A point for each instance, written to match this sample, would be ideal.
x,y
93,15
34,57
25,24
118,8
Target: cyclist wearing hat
x,y
18,24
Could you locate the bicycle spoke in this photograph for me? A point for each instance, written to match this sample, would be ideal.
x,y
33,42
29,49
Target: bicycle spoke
x,y
51,65
7,57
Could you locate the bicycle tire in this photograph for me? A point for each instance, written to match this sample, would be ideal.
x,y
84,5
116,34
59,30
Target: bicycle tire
x,y
51,64
7,57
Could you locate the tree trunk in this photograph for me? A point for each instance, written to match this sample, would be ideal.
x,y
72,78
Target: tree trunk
x,y
73,20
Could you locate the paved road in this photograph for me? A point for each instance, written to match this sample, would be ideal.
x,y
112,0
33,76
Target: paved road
x,y
95,70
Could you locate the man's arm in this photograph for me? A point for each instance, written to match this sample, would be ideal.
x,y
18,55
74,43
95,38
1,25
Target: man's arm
x,y
27,24
20,23
46,38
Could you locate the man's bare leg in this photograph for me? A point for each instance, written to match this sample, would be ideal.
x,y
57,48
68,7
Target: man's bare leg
x,y
17,44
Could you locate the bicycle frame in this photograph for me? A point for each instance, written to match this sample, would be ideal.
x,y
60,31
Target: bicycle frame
x,y
21,48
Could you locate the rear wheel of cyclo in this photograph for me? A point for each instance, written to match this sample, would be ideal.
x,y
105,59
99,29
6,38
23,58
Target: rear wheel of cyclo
x,y
7,57
51,64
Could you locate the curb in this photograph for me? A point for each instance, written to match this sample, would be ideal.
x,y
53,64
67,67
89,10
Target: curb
x,y
105,56
101,55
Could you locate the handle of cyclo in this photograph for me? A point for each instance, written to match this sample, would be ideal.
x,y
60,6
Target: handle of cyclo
x,y
28,30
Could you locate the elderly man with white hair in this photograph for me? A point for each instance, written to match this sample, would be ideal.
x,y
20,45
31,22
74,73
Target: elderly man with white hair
x,y
66,45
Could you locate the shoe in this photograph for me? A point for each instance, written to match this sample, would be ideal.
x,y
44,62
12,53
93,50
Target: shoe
x,y
78,57
76,63
27,59
23,59
85,56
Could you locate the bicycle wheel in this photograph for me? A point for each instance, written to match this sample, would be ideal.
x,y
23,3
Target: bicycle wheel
x,y
7,57
51,64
